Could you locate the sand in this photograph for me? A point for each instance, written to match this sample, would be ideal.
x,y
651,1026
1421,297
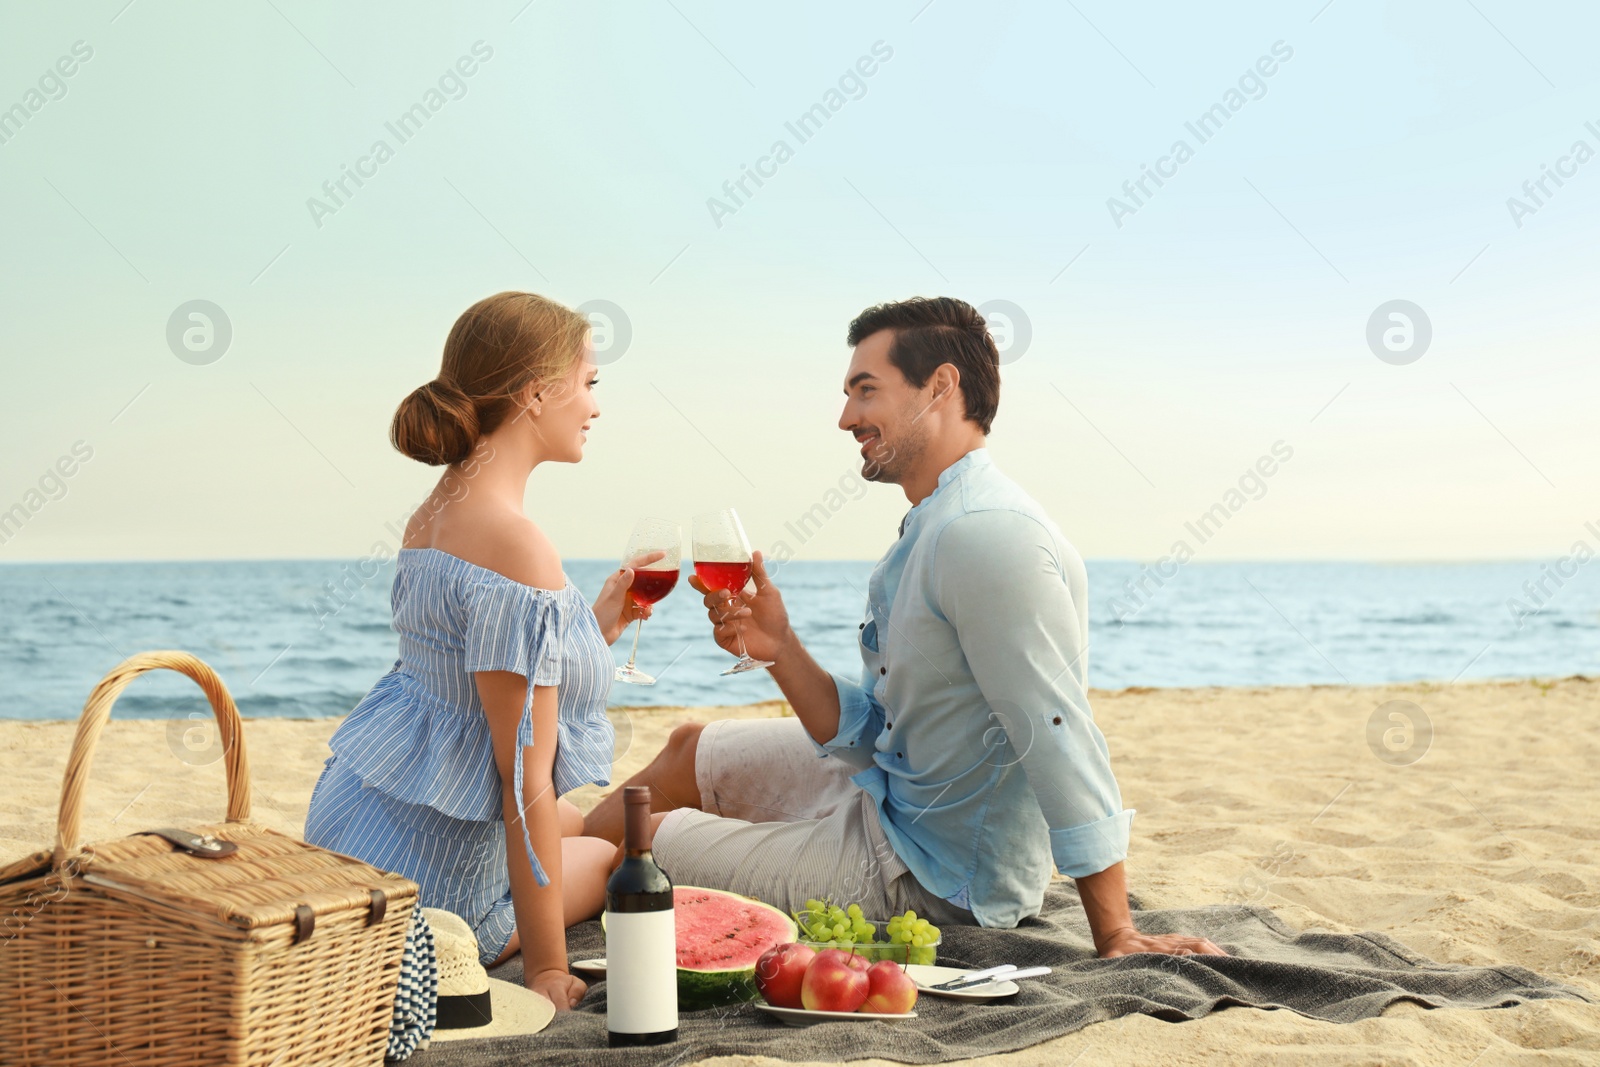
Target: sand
x,y
1485,850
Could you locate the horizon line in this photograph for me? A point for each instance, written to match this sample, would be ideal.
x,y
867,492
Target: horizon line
x,y
1377,560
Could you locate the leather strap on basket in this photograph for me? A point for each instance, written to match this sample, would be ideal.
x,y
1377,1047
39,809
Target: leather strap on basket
x,y
380,907
98,709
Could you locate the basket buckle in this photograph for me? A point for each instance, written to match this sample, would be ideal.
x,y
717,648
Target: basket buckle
x,y
206,847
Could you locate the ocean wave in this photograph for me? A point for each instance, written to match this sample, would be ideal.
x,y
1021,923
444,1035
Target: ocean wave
x,y
1377,623
1424,618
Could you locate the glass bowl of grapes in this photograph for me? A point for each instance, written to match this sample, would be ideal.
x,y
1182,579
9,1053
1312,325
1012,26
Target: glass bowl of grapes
x,y
902,938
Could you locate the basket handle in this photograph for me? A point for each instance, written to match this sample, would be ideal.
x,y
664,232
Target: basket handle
x,y
98,709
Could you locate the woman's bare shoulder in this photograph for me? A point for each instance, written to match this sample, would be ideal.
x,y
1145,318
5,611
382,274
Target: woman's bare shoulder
x,y
518,549
498,540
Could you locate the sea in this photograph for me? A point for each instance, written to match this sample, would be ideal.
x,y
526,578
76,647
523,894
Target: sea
x,y
286,648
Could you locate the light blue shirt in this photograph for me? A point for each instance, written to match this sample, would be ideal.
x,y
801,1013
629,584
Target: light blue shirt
x,y
971,725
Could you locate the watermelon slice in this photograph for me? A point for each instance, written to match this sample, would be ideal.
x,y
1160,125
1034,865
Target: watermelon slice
x,y
721,935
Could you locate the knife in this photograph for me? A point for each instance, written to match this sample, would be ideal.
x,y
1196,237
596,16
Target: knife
x,y
975,976
1007,973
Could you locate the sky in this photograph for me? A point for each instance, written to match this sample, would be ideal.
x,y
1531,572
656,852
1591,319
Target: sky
x,y
1161,344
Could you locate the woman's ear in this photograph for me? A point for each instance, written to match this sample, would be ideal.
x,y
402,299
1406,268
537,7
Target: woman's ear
x,y
530,399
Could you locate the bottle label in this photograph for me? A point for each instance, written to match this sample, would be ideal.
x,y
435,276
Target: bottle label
x,y
641,972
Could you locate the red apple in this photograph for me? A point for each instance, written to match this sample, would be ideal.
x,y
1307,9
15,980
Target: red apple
x,y
835,981
890,990
779,972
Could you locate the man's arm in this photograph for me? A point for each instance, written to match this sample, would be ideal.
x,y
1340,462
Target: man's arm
x,y
841,717
998,581
1105,903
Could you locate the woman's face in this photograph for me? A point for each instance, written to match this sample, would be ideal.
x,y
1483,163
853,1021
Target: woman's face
x,y
568,408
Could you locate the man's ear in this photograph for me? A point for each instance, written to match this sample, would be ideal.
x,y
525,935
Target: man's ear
x,y
946,381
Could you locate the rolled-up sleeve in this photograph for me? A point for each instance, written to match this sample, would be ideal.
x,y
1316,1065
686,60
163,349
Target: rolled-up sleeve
x,y
860,720
1000,583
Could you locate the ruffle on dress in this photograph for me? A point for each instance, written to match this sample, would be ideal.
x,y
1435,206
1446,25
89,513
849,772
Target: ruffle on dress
x,y
410,745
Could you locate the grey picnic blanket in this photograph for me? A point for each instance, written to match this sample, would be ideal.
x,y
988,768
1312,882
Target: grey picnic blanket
x,y
1335,977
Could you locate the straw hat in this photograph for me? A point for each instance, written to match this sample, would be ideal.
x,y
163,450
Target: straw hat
x,y
471,1004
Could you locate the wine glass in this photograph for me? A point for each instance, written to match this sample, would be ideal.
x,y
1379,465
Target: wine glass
x,y
722,561
650,582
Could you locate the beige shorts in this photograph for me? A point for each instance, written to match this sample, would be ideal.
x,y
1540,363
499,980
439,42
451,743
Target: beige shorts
x,y
779,823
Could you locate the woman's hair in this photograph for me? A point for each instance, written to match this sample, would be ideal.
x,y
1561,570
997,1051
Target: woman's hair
x,y
495,350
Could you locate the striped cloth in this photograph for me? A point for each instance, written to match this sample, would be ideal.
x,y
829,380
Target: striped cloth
x,y
412,785
416,999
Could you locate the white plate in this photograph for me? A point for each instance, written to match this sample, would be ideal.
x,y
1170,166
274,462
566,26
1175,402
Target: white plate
x,y
803,1017
590,968
927,977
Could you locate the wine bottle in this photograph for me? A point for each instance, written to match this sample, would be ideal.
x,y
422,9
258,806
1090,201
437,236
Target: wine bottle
x,y
641,937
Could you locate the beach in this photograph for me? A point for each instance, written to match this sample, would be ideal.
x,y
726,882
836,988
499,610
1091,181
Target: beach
x,y
1480,847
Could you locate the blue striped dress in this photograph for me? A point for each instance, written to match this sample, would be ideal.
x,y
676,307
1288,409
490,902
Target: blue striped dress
x,y
412,785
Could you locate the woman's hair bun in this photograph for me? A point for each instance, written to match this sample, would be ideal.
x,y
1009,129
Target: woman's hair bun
x,y
497,348
437,424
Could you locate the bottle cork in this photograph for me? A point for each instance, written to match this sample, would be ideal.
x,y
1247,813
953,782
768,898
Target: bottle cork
x,y
636,827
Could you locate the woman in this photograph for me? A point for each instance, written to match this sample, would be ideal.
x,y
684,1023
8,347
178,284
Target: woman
x,y
500,689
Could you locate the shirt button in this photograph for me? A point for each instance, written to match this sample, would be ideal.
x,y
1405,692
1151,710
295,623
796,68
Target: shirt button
x,y
883,670
863,626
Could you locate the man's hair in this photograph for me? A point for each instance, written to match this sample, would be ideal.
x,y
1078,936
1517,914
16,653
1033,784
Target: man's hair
x,y
929,331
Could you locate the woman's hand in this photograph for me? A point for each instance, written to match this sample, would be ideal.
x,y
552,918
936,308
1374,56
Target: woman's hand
x,y
560,988
614,608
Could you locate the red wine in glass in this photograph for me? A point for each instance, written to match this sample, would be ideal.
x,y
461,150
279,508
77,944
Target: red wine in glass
x,y
729,576
650,586
652,581
722,562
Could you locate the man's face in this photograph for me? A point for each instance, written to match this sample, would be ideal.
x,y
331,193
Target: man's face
x,y
882,411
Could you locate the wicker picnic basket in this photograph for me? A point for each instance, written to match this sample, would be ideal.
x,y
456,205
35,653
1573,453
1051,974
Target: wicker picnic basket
x,y
229,944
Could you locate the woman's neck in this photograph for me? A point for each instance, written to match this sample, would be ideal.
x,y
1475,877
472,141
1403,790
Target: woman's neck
x,y
499,468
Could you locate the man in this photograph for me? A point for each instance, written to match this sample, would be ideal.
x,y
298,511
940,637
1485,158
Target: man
x,y
966,762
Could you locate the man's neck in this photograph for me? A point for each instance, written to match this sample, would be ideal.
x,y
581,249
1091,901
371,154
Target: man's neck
x,y
920,485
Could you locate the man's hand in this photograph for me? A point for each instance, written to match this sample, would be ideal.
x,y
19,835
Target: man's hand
x,y
1105,905
560,988
1127,941
614,608
757,611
